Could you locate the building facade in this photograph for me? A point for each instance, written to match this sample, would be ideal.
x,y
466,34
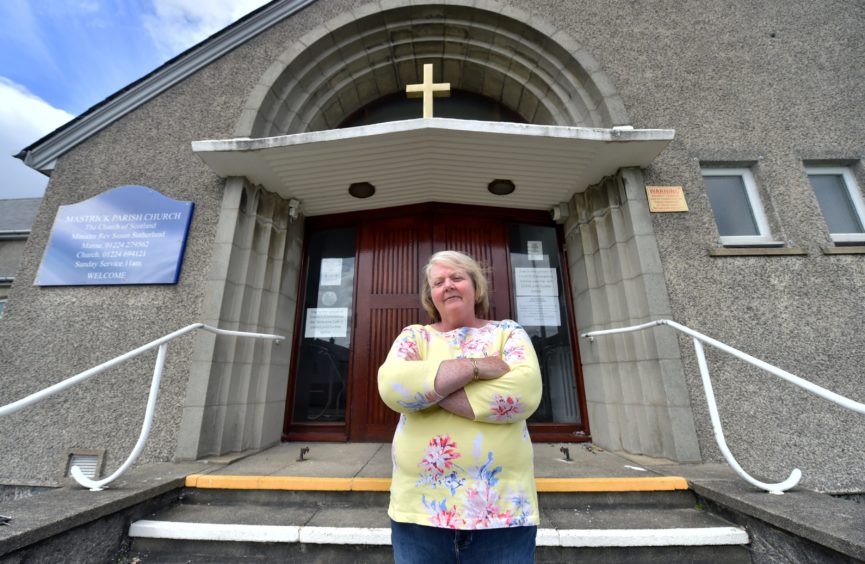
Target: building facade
x,y
319,193
16,216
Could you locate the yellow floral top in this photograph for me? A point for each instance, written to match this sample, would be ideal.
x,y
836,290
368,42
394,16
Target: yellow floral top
x,y
453,472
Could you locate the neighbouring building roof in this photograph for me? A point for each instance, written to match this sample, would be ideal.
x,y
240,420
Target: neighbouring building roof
x,y
18,215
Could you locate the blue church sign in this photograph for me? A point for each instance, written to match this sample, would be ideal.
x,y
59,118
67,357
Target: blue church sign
x,y
127,235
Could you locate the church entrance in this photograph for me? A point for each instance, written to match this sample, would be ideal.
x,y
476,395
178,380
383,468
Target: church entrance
x,y
360,287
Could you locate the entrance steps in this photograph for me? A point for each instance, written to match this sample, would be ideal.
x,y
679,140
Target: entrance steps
x,y
295,519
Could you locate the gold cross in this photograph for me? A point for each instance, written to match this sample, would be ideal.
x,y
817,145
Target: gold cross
x,y
428,89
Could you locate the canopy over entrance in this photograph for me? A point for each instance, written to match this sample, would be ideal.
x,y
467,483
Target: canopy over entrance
x,y
433,159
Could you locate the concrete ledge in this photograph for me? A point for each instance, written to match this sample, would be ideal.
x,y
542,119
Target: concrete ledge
x,y
757,252
648,484
49,514
844,250
287,483
826,521
214,531
704,536
698,536
551,485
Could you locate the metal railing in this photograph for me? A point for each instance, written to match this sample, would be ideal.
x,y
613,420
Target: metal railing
x,y
162,344
699,340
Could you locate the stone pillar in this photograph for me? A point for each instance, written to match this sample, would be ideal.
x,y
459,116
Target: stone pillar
x,y
635,385
235,398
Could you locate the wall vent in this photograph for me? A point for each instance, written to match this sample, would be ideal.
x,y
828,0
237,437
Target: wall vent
x,y
90,462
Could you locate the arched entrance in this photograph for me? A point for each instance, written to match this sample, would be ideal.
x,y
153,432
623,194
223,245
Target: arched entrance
x,y
286,145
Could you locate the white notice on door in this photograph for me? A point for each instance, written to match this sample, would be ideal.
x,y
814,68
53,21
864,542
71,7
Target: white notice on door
x,y
535,250
331,272
536,282
538,311
326,322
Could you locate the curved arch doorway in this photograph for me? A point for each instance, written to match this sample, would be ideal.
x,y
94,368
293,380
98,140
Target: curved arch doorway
x,y
361,280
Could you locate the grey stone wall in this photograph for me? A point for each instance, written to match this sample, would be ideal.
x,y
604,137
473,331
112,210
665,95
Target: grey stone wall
x,y
52,333
769,84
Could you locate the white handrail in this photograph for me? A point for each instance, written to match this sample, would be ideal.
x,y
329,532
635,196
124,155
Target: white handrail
x,y
699,339
162,344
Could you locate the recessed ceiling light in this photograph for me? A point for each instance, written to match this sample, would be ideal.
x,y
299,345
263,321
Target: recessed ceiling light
x,y
501,187
361,189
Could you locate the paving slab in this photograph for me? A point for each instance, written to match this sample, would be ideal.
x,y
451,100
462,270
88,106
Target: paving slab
x,y
324,460
580,460
586,461
380,465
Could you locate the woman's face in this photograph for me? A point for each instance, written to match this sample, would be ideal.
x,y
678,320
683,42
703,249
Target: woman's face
x,y
453,293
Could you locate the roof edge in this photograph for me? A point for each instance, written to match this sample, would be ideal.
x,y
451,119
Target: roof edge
x,y
43,154
610,135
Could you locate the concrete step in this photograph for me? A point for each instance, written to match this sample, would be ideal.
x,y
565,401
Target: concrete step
x,y
347,526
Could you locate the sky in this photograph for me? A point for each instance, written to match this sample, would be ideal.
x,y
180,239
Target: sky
x,y
60,57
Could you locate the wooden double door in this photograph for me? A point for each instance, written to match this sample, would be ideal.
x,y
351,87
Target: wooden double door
x,y
390,253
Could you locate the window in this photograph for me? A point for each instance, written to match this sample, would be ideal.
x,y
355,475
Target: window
x,y
736,205
840,201
459,104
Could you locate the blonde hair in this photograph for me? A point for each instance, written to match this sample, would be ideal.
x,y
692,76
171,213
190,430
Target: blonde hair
x,y
462,261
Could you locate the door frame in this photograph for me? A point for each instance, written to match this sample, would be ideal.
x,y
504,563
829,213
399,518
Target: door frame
x,y
339,432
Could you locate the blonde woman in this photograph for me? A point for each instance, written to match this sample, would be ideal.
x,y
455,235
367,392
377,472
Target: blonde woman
x,y
463,486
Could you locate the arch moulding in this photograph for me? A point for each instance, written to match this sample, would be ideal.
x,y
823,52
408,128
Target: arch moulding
x,y
498,51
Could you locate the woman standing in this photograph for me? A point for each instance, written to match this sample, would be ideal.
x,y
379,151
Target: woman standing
x,y
463,486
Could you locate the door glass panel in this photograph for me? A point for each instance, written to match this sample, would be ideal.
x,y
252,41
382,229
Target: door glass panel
x,y
321,379
539,306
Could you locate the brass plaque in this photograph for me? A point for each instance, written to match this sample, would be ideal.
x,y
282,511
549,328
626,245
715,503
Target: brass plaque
x,y
666,199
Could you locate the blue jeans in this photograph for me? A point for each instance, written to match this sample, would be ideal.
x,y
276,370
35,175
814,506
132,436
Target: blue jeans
x,y
418,544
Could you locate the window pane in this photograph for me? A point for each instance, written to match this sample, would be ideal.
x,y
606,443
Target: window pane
x,y
834,199
539,297
731,206
322,371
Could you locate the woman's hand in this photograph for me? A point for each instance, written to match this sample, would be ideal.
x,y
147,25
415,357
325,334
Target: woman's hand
x,y
455,373
490,368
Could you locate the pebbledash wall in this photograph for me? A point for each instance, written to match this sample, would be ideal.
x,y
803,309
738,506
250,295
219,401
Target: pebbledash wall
x,y
768,86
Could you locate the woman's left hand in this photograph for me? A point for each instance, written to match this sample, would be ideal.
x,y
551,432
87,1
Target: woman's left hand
x,y
490,368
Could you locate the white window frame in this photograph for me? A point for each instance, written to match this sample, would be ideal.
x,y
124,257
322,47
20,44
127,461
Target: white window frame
x,y
764,237
855,197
